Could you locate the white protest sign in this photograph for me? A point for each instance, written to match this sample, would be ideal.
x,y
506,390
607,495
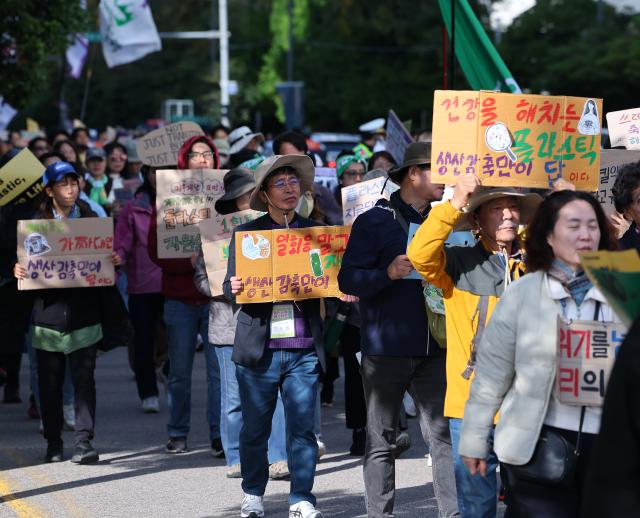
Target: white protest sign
x,y
611,161
398,138
159,148
624,128
362,196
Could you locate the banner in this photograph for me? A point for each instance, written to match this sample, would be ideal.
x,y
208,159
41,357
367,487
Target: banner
x,y
7,113
587,351
617,276
69,253
611,161
216,235
128,31
290,264
21,178
624,128
361,197
159,148
398,137
184,198
516,139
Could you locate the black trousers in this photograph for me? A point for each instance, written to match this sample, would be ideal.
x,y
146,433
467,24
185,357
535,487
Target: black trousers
x,y
355,406
51,368
528,499
146,313
15,311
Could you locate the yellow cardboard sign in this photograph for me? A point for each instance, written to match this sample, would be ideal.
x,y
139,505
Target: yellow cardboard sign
x,y
516,139
290,264
22,173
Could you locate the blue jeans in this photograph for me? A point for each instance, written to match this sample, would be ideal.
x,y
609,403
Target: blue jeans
x,y
183,322
477,495
231,414
295,375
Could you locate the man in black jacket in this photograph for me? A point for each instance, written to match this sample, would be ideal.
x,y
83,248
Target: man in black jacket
x,y
282,353
398,352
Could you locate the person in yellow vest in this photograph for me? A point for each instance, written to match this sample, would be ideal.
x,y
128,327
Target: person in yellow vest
x,y
472,280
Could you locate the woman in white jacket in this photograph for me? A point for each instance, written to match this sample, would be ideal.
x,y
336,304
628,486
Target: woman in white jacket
x,y
517,363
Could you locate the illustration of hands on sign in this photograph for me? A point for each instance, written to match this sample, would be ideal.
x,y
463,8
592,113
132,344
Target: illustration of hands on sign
x,y
498,138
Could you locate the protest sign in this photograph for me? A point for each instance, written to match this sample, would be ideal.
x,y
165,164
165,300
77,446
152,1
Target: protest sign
x,y
184,198
69,253
611,161
617,276
398,137
516,139
586,353
327,177
159,148
21,178
361,197
216,235
290,264
624,128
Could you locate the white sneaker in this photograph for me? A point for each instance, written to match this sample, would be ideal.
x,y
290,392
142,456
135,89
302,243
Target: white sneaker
x,y
409,405
429,460
304,509
69,414
322,449
252,507
151,405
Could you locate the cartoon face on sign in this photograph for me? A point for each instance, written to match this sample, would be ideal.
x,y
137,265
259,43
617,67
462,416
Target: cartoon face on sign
x,y
589,123
258,249
498,138
36,244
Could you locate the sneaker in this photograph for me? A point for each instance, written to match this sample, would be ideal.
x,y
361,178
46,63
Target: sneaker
x,y
69,414
176,445
359,442
54,452
251,507
151,405
322,449
234,471
409,405
279,470
216,448
304,509
429,460
403,443
85,454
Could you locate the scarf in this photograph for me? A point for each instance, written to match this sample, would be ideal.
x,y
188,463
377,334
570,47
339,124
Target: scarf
x,y
576,283
98,192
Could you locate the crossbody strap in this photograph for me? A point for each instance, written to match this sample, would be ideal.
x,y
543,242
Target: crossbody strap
x,y
481,310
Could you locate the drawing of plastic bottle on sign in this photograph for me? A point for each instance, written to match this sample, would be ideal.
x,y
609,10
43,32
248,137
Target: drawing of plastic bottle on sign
x,y
36,244
316,262
498,138
589,123
258,249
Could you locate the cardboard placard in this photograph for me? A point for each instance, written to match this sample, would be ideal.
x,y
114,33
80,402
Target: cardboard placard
x,y
216,235
160,147
290,264
398,137
21,178
359,198
184,198
611,161
624,128
617,276
69,253
586,353
516,139
327,177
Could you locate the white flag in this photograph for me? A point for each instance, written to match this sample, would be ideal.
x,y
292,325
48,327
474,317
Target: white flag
x,y
128,31
77,54
7,112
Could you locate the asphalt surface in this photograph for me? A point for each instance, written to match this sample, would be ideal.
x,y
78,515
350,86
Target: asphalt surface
x,y
136,478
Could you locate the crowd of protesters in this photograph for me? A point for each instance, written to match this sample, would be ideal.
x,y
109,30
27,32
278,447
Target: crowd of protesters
x,y
479,374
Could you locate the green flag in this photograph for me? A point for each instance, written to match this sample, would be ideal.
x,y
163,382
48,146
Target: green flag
x,y
479,59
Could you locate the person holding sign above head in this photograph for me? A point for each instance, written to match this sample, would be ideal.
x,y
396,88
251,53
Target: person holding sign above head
x,y
534,365
278,347
66,323
398,351
186,314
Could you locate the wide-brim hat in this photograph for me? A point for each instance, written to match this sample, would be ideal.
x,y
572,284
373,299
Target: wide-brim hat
x,y
301,163
417,153
528,203
237,182
240,137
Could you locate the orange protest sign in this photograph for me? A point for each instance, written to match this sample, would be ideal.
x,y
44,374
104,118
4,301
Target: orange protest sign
x,y
516,139
290,264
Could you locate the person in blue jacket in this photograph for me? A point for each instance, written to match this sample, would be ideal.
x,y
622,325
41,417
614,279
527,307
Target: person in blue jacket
x,y
398,353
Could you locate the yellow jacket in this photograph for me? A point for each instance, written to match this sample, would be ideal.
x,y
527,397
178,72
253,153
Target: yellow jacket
x,y
464,274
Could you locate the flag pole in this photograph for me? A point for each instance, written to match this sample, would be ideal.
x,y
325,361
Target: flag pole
x,y
85,96
452,63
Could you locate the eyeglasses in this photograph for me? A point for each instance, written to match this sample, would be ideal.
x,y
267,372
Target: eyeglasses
x,y
281,184
196,154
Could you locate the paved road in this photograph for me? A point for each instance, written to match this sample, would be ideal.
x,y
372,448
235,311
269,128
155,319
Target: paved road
x,y
135,478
